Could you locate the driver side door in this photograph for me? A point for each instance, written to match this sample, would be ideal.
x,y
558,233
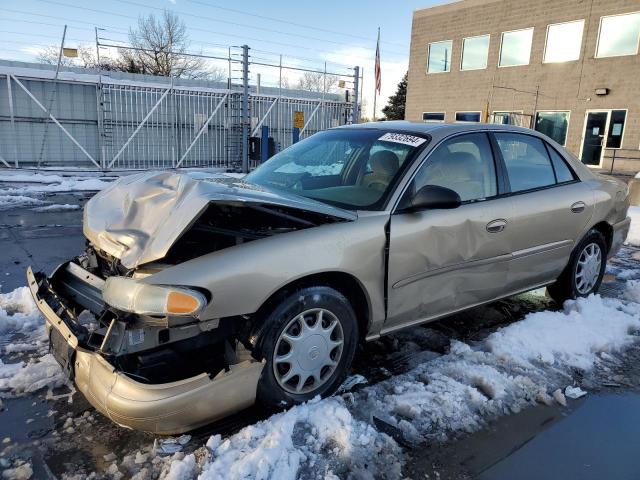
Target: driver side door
x,y
441,261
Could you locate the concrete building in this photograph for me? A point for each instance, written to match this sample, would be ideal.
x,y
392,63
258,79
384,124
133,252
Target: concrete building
x,y
568,68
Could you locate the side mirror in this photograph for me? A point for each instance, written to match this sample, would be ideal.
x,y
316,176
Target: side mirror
x,y
433,197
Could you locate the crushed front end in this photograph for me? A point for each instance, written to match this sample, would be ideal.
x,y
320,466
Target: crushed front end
x,y
156,371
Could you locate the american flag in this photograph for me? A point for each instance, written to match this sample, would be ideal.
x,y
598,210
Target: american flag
x,y
378,73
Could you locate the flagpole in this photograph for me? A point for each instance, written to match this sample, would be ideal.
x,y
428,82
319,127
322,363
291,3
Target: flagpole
x,y
375,83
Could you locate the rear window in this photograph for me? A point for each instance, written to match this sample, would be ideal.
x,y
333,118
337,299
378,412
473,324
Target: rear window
x,y
528,164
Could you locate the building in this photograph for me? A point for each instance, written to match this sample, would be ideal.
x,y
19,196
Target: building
x,y
569,68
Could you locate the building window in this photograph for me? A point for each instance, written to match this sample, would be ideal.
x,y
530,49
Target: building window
x,y
564,41
474,53
616,128
468,116
439,57
433,117
516,47
618,35
554,125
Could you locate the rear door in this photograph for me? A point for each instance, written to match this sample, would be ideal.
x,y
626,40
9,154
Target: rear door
x,y
441,261
551,208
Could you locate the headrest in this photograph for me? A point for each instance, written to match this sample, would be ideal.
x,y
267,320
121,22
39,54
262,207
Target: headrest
x,y
385,161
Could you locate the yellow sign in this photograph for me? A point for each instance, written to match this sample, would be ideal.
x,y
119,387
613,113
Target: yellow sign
x,y
341,83
298,119
70,52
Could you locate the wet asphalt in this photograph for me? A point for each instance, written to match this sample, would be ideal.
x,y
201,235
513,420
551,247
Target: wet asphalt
x,y
595,437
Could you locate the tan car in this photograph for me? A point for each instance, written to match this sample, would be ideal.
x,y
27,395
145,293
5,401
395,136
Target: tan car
x,y
209,293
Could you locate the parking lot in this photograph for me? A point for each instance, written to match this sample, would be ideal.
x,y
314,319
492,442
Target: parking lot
x,y
444,400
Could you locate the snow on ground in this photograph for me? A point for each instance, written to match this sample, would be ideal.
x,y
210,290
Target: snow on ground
x,y
634,232
24,189
63,207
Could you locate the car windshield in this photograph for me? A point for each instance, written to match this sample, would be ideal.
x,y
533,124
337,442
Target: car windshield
x,y
350,168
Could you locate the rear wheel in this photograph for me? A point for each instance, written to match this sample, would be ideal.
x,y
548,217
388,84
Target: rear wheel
x,y
583,275
308,342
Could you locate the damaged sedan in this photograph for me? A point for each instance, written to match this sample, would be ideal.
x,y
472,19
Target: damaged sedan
x,y
199,295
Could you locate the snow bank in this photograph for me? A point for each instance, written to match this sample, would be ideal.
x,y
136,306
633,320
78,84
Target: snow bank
x,y
37,373
321,437
18,312
64,207
634,232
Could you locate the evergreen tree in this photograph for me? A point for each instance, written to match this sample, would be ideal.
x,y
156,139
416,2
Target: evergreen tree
x,y
395,108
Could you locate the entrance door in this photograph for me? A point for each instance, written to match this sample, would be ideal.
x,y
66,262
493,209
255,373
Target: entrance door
x,y
594,136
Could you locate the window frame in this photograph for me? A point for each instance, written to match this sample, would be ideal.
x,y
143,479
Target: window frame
x,y
444,116
429,54
595,54
502,44
500,158
546,41
486,63
535,118
479,112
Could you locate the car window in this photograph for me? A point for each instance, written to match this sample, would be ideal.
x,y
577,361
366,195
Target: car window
x,y
563,172
463,164
527,161
349,168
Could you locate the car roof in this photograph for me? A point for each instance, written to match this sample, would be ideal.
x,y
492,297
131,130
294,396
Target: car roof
x,y
435,129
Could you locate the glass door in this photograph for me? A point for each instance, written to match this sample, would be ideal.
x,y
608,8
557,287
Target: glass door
x,y
594,138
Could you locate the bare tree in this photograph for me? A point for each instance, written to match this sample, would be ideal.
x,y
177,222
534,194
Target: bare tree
x,y
160,47
86,59
315,82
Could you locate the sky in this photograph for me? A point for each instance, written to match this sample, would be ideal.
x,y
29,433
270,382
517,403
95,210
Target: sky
x,y
307,34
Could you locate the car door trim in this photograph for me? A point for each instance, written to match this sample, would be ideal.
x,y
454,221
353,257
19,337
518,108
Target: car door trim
x,y
507,257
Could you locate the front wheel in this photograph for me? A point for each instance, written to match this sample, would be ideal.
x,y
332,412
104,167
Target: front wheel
x,y
309,341
583,275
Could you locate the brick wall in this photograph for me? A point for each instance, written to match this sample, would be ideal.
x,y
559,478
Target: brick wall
x,y
562,86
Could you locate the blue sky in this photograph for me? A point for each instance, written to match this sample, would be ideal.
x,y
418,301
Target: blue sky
x,y
343,34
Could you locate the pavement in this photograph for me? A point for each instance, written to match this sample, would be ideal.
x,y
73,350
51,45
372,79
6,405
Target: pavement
x,y
594,437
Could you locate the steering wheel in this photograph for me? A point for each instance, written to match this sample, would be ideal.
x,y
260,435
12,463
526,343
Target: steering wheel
x,y
297,185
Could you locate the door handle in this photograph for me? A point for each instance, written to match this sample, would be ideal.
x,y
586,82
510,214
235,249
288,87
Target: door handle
x,y
578,207
496,226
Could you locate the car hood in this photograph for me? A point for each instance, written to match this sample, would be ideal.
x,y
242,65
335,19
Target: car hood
x,y
139,217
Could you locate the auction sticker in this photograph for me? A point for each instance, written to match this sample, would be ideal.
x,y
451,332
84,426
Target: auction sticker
x,y
403,138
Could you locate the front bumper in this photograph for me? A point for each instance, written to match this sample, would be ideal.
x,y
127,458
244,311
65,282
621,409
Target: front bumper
x,y
167,408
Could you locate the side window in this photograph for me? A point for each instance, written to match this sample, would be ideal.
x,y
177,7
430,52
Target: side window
x,y
463,164
527,161
563,172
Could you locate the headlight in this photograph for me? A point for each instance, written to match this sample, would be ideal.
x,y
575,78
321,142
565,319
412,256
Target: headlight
x,y
131,296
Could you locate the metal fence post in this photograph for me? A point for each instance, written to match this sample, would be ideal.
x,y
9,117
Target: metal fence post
x,y
13,122
356,82
245,120
264,144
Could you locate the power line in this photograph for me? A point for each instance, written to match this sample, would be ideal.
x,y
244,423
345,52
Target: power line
x,y
54,2
287,22
235,24
92,24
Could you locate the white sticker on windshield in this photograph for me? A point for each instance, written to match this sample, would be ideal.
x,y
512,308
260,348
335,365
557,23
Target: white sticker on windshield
x,y
403,138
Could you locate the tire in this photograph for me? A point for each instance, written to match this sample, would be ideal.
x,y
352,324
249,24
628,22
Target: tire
x,y
576,280
314,347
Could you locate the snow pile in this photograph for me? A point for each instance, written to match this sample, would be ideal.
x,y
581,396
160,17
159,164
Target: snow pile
x,y
634,232
20,318
36,184
516,366
320,438
30,377
18,312
56,208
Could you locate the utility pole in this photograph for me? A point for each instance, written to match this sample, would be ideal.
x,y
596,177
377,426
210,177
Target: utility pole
x,y
246,120
97,49
356,85
53,96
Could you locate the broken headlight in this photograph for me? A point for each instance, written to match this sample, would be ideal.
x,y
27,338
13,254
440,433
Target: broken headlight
x,y
131,296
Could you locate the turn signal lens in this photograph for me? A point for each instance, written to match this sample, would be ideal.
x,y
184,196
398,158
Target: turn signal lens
x,y
130,295
179,303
